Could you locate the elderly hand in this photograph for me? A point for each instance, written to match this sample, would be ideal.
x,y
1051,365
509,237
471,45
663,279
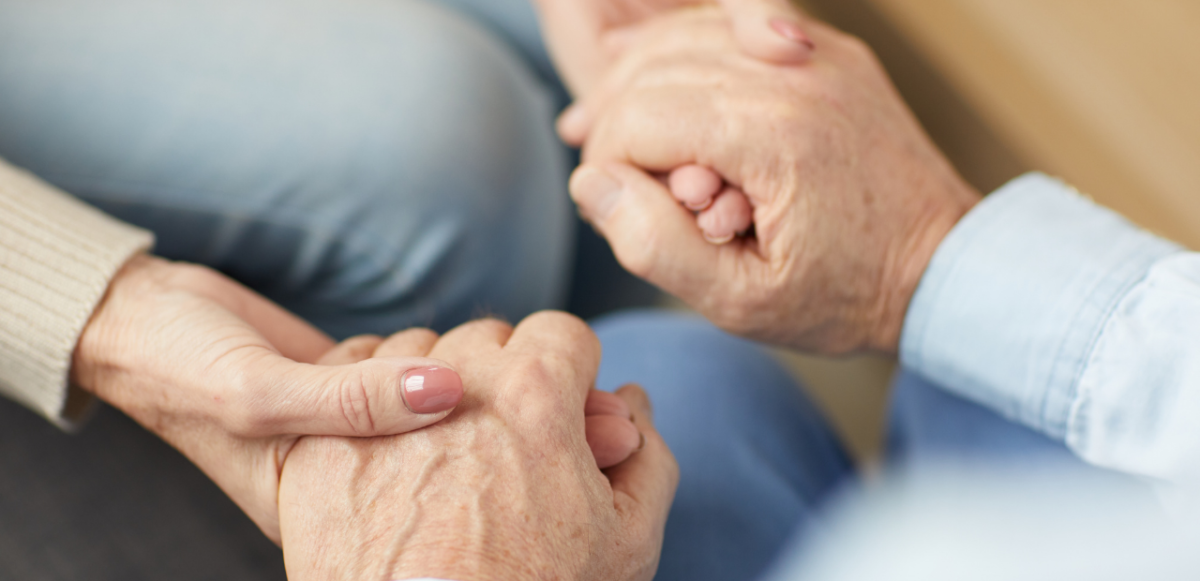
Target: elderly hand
x,y
850,198
227,378
505,488
584,36
608,421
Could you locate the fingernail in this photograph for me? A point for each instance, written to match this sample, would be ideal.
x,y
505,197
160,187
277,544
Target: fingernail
x,y
596,192
429,390
791,31
718,240
641,442
698,206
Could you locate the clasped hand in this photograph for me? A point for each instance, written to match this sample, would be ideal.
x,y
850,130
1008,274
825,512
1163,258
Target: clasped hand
x,y
849,197
232,380
504,488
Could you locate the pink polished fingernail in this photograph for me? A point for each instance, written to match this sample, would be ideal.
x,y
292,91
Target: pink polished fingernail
x,y
791,31
429,390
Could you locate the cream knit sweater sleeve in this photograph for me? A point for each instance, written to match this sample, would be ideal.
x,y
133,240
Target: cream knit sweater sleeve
x,y
57,256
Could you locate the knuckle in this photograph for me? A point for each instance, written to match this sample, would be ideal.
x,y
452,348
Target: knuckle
x,y
354,402
487,325
531,375
361,347
410,342
533,391
561,324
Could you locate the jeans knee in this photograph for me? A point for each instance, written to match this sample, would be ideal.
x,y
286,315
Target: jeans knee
x,y
456,205
367,164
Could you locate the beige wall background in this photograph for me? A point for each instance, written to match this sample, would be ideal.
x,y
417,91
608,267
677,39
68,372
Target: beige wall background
x,y
1103,93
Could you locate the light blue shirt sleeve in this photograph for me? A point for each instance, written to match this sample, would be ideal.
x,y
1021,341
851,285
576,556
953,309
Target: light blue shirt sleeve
x,y
1063,316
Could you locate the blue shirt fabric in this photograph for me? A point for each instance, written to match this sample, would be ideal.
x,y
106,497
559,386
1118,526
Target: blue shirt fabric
x,y
1064,316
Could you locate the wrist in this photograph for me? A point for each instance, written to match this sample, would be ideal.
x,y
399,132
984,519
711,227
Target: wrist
x,y
910,257
93,354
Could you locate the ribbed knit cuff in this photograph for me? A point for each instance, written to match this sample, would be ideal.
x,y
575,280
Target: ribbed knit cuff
x,y
57,256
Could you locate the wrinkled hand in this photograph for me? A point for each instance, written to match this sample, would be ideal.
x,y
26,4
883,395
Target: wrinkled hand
x,y
227,378
850,198
608,421
584,36
505,488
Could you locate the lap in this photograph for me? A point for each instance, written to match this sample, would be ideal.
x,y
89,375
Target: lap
x,y
371,164
756,458
933,429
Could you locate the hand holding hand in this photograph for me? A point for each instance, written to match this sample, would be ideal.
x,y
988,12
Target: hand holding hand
x,y
850,198
227,378
608,421
505,488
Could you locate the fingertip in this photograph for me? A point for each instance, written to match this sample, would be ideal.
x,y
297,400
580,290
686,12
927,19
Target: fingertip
x,y
431,389
351,350
612,439
772,37
651,234
792,31
694,185
638,401
573,125
729,215
414,342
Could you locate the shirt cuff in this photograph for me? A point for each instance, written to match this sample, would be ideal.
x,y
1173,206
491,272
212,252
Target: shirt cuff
x,y
1016,295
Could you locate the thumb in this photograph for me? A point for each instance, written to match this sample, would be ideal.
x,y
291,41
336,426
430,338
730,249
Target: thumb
x,y
374,397
644,485
651,234
769,30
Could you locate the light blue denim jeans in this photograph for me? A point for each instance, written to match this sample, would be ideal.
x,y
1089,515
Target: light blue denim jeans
x,y
369,164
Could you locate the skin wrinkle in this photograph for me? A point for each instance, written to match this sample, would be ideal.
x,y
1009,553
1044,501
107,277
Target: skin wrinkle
x,y
356,403
834,123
